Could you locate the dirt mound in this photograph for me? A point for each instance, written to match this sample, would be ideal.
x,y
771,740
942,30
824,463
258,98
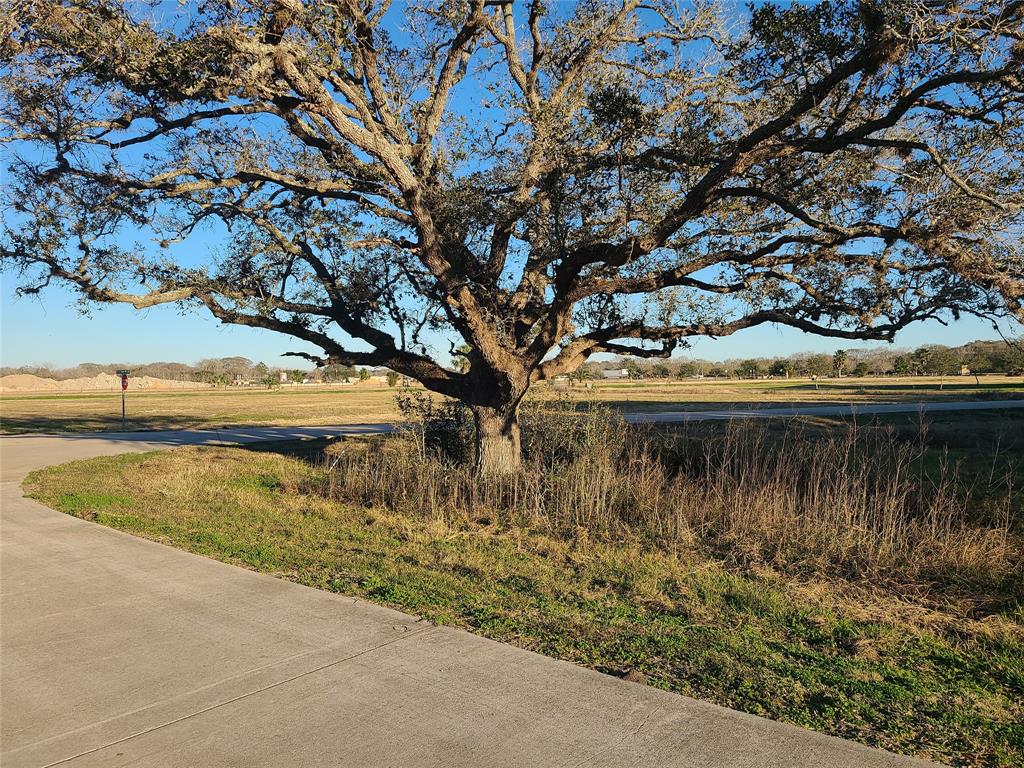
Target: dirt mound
x,y
26,382
101,382
149,382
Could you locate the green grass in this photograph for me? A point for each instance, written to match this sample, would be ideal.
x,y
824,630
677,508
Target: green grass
x,y
841,659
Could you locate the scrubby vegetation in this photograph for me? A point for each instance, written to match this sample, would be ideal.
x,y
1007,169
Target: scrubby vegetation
x,y
864,580
877,502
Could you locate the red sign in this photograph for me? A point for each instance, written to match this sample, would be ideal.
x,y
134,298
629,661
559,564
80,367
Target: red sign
x,y
124,381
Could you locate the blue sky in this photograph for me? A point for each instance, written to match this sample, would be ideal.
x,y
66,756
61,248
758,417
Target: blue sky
x,y
50,330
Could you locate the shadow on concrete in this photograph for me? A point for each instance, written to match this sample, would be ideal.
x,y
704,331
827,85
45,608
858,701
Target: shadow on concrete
x,y
227,435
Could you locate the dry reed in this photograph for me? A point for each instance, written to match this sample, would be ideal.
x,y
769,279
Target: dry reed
x,y
857,502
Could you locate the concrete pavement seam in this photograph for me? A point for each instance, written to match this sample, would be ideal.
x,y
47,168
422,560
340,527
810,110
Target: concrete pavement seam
x,y
246,695
209,687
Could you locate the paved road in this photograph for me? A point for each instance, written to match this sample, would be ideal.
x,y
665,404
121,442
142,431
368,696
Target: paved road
x,y
822,410
118,651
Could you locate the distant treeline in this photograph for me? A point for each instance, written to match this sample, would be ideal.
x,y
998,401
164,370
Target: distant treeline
x,y
976,357
219,371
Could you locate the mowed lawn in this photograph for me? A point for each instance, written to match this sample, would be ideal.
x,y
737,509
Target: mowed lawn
x,y
917,668
318,405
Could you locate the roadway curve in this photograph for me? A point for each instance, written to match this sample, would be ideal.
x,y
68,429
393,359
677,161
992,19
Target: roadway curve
x,y
119,651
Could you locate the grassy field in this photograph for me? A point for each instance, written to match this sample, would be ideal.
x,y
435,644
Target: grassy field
x,y
312,405
925,660
95,412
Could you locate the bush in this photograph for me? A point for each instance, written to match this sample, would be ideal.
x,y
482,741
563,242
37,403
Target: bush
x,y
559,431
442,430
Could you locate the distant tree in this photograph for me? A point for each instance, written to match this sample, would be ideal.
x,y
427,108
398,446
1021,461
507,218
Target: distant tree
x,y
902,365
839,361
364,374
862,369
392,378
819,365
633,370
718,372
686,370
977,358
942,361
583,373
784,368
296,376
661,371
335,373
1010,358
920,360
750,369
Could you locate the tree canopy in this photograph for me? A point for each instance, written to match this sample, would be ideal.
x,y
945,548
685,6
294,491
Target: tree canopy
x,y
539,181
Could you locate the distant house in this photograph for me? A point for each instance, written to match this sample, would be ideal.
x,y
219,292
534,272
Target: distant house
x,y
282,376
615,373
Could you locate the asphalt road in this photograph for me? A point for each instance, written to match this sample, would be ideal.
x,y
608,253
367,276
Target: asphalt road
x,y
865,409
117,651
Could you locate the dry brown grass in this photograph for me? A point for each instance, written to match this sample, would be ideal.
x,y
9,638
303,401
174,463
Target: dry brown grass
x,y
306,406
857,502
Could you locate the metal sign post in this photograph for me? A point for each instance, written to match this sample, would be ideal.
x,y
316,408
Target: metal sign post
x,y
124,388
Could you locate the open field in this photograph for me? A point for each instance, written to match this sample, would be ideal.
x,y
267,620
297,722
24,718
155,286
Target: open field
x,y
903,631
313,405
210,409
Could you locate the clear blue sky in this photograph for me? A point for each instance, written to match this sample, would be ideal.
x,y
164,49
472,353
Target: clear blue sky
x,y
50,330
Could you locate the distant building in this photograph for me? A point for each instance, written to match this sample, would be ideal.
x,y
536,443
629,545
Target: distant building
x,y
615,373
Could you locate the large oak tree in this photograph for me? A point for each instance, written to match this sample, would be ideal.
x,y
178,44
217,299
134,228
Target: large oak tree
x,y
540,181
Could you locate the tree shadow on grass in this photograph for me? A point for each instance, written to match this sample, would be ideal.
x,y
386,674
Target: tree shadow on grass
x,y
27,425
313,451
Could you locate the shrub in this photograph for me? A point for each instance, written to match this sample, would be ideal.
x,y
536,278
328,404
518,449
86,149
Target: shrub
x,y
441,429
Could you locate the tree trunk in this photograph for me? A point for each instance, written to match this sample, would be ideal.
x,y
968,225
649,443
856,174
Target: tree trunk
x,y
498,449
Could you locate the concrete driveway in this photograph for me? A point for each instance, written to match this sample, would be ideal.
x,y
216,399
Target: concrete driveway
x,y
118,651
